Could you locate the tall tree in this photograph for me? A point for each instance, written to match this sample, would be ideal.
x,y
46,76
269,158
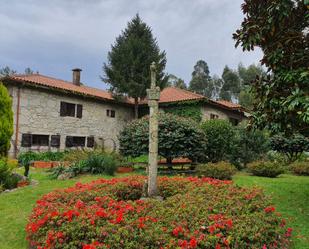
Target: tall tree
x,y
280,29
201,80
28,71
217,83
6,71
6,120
127,71
176,82
247,76
231,84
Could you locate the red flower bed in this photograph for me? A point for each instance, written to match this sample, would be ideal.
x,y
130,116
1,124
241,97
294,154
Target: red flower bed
x,y
196,213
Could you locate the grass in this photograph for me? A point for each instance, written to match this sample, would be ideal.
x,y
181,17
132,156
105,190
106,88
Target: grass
x,y
290,196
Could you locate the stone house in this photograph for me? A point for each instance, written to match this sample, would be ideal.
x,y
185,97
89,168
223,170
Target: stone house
x,y
53,114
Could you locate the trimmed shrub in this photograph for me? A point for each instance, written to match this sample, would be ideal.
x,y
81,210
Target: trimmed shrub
x,y
221,170
220,136
292,146
248,146
196,213
6,120
265,168
300,168
178,137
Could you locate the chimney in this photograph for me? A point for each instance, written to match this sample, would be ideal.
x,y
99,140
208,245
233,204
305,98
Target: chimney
x,y
76,76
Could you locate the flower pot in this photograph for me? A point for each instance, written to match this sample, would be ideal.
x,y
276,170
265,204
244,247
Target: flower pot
x,y
124,169
42,164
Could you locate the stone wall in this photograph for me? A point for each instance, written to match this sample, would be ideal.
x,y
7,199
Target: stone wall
x,y
207,110
40,114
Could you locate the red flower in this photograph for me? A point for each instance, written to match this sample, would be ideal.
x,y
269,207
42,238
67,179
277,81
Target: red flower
x,y
193,242
269,209
177,230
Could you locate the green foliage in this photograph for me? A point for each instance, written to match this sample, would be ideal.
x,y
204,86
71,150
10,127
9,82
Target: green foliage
x,y
127,70
231,84
93,162
25,158
220,136
178,137
278,28
292,146
7,179
201,81
6,120
187,110
193,214
176,82
220,170
300,168
265,168
248,146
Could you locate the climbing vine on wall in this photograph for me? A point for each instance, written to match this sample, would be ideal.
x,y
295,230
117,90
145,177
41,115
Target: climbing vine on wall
x,y
191,109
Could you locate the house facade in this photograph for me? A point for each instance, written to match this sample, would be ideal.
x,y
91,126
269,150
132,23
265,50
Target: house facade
x,y
52,114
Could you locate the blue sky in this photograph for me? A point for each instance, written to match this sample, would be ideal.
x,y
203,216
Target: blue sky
x,y
54,36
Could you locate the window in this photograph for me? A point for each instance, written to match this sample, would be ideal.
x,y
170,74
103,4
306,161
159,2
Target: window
x,y
71,110
55,141
214,116
29,140
90,142
234,121
74,141
110,113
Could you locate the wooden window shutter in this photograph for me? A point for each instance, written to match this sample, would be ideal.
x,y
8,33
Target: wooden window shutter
x,y
79,112
90,142
26,140
63,109
55,141
69,141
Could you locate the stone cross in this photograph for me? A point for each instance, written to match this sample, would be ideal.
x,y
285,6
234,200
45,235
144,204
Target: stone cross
x,y
153,96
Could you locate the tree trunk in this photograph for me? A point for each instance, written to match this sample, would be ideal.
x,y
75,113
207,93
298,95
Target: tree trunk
x,y
136,108
169,162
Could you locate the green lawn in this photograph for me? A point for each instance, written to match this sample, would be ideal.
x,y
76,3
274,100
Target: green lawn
x,y
290,195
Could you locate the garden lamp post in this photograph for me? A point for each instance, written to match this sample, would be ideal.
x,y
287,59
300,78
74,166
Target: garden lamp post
x,y
153,96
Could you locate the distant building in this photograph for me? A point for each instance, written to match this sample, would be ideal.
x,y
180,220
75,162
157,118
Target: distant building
x,y
53,114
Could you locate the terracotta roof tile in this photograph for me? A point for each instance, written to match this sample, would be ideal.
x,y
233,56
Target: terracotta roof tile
x,y
228,104
168,95
173,94
42,80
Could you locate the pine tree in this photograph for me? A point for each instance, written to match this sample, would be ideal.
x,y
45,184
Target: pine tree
x,y
127,71
6,71
201,80
6,120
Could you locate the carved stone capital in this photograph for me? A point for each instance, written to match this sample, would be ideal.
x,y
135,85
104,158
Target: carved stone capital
x,y
153,94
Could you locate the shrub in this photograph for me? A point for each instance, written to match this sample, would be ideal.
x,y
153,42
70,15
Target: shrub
x,y
196,213
220,136
178,137
7,179
248,146
292,146
265,168
6,120
220,170
95,163
300,168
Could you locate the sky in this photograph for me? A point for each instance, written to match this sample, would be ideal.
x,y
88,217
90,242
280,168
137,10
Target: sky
x,y
55,36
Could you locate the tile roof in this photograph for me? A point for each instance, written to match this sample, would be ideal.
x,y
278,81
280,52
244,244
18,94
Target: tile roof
x,y
57,84
228,104
167,95
173,94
